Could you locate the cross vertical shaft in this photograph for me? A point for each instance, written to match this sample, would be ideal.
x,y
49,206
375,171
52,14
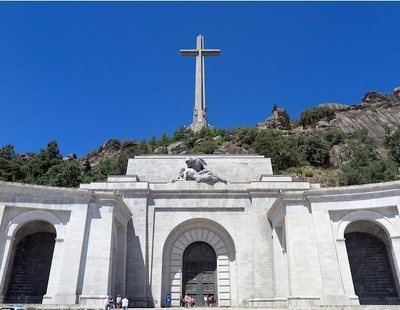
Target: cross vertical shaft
x,y
200,110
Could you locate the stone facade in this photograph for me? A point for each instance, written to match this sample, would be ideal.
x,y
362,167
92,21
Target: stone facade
x,y
277,243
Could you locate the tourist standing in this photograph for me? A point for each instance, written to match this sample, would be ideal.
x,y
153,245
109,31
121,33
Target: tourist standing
x,y
118,301
125,303
111,303
211,300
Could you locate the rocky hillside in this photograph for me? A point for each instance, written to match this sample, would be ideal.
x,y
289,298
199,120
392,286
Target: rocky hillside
x,y
331,144
376,114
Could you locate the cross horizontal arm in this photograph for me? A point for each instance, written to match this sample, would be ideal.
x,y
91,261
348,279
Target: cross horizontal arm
x,y
206,52
209,52
189,52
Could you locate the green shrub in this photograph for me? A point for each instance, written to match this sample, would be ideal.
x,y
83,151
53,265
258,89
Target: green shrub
x,y
65,174
207,147
297,170
181,134
39,164
274,145
312,149
392,142
364,165
309,173
11,170
361,136
316,151
376,171
164,140
310,117
246,135
209,133
336,136
142,148
7,152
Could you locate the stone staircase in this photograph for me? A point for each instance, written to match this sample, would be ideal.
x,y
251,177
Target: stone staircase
x,y
78,307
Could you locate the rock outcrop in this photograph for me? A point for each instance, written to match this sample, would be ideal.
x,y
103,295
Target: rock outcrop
x,y
373,97
177,148
278,120
85,165
231,147
376,114
161,150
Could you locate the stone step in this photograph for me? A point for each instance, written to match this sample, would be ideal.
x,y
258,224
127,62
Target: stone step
x,y
78,307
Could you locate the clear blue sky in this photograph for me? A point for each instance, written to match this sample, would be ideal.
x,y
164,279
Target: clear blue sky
x,y
81,73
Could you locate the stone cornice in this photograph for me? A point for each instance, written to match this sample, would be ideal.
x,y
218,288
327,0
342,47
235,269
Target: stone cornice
x,y
280,207
17,193
20,193
354,192
187,188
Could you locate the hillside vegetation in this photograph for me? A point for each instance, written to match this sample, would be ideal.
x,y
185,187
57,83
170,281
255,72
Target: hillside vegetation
x,y
330,144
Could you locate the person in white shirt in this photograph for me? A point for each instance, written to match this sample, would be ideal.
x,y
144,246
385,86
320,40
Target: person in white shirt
x,y
118,301
125,303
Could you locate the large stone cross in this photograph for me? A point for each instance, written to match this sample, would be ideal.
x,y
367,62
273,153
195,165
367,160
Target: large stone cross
x,y
200,110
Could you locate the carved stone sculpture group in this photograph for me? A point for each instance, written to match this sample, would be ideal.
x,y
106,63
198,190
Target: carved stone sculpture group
x,y
196,170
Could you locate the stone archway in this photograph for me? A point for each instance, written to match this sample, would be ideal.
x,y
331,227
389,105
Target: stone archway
x,y
371,264
187,233
30,263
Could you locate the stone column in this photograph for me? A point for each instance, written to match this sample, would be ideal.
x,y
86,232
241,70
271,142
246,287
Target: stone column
x,y
119,252
65,280
98,262
345,270
281,289
55,270
333,290
6,246
305,283
137,285
395,253
5,249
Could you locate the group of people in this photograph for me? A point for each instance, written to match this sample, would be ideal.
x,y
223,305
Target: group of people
x,y
188,301
118,303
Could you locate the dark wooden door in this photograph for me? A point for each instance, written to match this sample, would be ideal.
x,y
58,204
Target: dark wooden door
x,y
199,272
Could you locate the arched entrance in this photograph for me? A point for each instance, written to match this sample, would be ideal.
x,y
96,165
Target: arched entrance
x,y
179,240
368,250
199,272
29,267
